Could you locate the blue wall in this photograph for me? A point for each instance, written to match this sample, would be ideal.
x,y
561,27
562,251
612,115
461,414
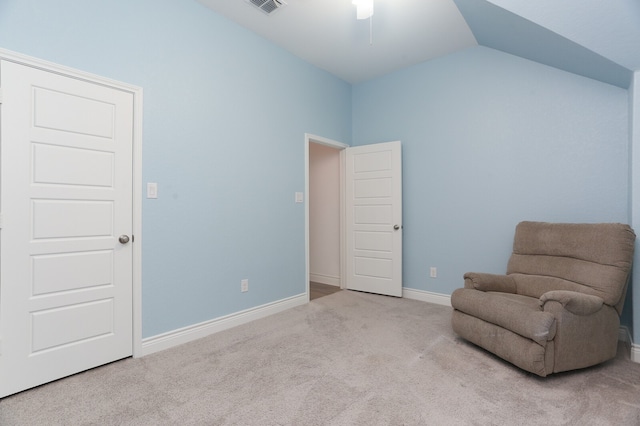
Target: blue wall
x,y
225,114
490,139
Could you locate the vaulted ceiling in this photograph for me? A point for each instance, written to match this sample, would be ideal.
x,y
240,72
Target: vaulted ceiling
x,y
599,40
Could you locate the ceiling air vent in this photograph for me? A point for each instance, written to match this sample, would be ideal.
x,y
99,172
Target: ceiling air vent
x,y
268,6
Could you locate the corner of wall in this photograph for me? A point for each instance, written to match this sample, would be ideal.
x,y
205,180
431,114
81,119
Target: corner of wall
x,y
634,206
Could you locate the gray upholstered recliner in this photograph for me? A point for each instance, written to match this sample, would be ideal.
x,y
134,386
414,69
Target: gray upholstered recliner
x,y
559,304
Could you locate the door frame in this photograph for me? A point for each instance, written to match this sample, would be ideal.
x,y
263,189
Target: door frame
x,y
310,138
136,91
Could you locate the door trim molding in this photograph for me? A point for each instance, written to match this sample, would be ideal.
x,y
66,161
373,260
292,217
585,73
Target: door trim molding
x,y
311,138
136,92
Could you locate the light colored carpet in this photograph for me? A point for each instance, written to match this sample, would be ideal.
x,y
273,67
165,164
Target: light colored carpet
x,y
345,359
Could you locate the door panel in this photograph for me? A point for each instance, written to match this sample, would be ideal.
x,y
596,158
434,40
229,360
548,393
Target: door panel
x,y
373,207
72,166
72,113
56,327
66,196
71,271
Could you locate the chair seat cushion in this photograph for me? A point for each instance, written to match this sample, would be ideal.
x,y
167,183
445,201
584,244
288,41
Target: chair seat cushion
x,y
517,313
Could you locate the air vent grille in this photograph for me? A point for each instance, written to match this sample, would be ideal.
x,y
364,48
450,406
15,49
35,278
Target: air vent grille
x,y
268,6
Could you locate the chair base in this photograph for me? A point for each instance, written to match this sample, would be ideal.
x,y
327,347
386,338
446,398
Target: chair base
x,y
519,351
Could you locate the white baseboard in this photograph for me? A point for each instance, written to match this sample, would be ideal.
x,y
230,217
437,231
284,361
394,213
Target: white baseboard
x,y
634,350
324,279
186,334
197,331
635,353
426,296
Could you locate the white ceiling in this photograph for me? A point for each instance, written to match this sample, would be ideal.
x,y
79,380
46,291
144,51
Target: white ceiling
x,y
599,40
327,34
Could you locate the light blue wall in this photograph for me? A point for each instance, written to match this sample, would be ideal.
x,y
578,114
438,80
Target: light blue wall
x,y
501,29
225,114
608,28
490,139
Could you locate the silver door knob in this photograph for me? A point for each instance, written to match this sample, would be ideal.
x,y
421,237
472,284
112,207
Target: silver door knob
x,y
396,227
124,239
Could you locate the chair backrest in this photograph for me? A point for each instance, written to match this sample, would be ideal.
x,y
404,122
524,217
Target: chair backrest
x,y
592,258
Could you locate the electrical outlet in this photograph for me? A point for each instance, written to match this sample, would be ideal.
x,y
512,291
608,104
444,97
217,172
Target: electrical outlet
x,y
433,272
244,286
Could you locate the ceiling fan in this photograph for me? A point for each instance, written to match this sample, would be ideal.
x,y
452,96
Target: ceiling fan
x,y
364,8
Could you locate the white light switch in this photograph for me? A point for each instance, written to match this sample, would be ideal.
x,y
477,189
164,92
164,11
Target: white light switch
x,y
299,197
152,190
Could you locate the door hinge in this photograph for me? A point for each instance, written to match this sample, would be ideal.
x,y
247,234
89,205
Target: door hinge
x,y
0,95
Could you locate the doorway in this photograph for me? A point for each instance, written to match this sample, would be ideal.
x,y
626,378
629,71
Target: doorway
x,y
323,215
369,254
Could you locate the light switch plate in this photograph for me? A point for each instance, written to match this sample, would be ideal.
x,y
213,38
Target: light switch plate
x,y
152,190
299,197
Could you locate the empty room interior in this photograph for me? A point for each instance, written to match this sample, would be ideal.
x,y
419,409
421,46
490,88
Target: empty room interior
x,y
176,171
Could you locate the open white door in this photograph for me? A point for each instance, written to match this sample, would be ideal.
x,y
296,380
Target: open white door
x,y
373,204
66,198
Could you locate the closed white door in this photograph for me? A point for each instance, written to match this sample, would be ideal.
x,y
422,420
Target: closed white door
x,y
373,204
66,198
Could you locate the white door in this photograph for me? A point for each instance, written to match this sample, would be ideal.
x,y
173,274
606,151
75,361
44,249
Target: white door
x,y
65,197
373,204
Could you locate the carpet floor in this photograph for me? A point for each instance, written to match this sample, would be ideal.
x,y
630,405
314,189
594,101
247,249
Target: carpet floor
x,y
345,359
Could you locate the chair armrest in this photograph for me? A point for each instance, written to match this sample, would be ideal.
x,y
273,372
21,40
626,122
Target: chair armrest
x,y
574,302
489,282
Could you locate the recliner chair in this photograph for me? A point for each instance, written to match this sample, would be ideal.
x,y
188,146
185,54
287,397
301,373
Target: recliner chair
x,y
558,306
